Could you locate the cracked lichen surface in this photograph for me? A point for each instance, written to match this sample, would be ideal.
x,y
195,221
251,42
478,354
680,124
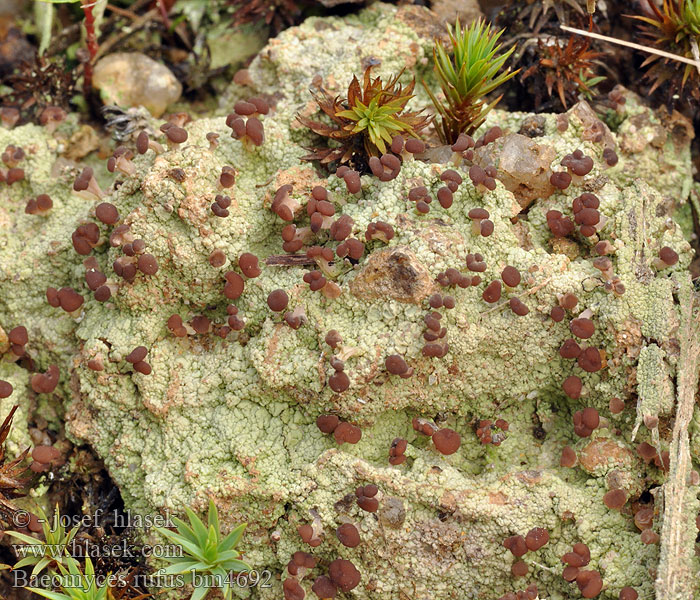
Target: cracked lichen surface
x,y
234,419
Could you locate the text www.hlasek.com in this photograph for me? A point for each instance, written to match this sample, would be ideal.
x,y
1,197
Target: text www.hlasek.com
x,y
82,550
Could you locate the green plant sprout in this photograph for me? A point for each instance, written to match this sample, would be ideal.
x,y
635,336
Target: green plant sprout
x,y
52,549
377,119
87,588
366,120
588,83
466,74
205,552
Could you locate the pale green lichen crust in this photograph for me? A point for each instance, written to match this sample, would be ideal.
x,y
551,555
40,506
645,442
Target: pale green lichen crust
x,y
234,419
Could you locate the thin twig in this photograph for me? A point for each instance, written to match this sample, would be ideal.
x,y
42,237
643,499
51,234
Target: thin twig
x,y
532,290
543,567
135,26
164,13
122,12
612,40
289,260
92,46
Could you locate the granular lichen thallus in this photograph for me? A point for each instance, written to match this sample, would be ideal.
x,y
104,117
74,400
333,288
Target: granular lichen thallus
x,y
419,355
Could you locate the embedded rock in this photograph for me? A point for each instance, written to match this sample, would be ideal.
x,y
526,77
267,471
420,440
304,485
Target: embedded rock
x,y
133,79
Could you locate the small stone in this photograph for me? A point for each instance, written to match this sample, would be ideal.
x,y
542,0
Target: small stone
x,y
392,512
450,10
394,273
15,49
81,143
593,128
523,166
133,79
532,126
602,454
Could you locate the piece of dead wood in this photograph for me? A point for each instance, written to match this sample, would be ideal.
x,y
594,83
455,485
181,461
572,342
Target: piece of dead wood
x,y
676,578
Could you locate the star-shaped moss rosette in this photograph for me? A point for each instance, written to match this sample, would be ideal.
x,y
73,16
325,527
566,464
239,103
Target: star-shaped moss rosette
x,y
12,485
675,27
278,14
366,121
567,68
205,552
